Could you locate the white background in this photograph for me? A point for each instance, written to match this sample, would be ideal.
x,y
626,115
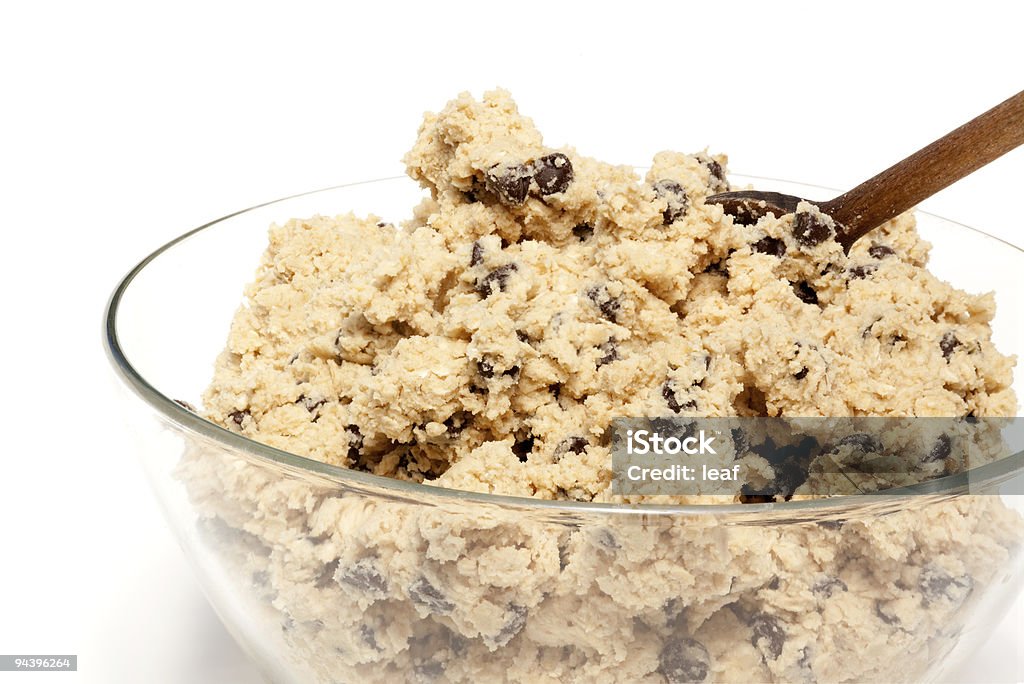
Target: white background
x,y
123,125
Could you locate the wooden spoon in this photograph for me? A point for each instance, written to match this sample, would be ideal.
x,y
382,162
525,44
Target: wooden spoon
x,y
906,183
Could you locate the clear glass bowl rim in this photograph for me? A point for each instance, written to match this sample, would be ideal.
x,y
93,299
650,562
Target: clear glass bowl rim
x,y
988,475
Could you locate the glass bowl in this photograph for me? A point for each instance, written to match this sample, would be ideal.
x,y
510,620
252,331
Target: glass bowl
x,y
323,574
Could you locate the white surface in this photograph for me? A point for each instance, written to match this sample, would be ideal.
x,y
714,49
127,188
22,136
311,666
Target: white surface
x,y
121,125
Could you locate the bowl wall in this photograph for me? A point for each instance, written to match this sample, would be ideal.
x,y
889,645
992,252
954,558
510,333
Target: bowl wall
x,y
329,575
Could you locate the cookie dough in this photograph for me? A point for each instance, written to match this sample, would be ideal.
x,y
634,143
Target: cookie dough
x,y
487,343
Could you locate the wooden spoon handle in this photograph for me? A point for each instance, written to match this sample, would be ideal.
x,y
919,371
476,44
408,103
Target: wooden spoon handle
x,y
929,170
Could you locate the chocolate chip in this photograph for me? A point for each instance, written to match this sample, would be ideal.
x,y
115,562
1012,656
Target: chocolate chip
x,y
940,451
571,445
862,271
740,443
364,577
583,231
495,281
939,586
310,403
185,405
326,576
477,257
675,196
239,416
609,352
485,369
512,372
668,391
947,344
522,336
747,498
425,594
809,229
774,583
880,251
523,448
555,389
608,305
355,441
683,661
511,184
883,616
515,620
369,638
456,423
770,245
801,374
553,173
827,586
862,441
767,635
716,181
805,293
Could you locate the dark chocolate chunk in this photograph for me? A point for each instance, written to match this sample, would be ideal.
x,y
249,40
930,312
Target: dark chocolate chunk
x,y
495,281
522,336
555,389
809,229
937,586
683,661
675,196
570,445
583,231
326,576
511,184
515,620
609,352
553,173
355,441
805,293
770,245
477,257
862,271
767,635
774,583
827,586
801,374
523,448
940,452
608,305
185,405
947,344
880,251
364,577
425,594
668,391
239,416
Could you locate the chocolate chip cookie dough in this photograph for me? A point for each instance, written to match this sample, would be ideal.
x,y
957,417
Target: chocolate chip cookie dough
x,y
487,343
